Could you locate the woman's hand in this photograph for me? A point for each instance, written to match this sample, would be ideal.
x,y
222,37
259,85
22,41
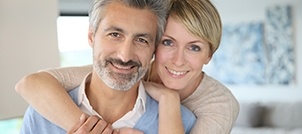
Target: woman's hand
x,y
159,91
91,125
95,125
127,130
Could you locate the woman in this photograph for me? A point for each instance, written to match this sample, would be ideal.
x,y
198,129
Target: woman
x,y
191,37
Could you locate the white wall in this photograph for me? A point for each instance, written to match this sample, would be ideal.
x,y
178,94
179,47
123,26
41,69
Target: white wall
x,y
28,42
234,11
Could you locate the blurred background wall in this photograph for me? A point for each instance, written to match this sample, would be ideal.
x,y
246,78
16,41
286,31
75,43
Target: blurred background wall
x,y
28,42
242,11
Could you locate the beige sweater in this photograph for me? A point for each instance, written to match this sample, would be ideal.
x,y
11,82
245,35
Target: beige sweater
x,y
213,104
215,107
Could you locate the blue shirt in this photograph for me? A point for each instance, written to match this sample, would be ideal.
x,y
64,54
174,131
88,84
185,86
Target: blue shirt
x,y
34,123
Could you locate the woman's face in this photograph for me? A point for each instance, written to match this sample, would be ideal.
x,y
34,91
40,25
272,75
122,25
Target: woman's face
x,y
180,57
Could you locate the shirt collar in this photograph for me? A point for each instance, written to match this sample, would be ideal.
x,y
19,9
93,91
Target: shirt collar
x,y
138,109
141,97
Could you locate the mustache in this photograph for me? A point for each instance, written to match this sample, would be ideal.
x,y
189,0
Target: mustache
x,y
120,62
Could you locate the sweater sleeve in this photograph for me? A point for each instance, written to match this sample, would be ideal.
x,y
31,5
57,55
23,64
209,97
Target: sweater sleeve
x,y
215,118
69,77
214,106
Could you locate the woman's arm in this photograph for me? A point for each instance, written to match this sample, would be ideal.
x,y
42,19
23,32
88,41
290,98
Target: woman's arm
x,y
216,110
170,121
220,120
46,95
69,77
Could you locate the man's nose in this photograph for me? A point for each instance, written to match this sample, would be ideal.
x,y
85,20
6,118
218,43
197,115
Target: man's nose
x,y
126,50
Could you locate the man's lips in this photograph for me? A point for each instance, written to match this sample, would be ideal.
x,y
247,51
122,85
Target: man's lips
x,y
118,66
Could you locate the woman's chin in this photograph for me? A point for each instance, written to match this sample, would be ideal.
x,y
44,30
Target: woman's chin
x,y
174,86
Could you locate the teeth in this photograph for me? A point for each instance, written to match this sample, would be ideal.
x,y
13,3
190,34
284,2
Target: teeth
x,y
176,72
120,67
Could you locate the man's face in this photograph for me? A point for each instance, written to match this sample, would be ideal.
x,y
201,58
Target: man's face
x,y
123,45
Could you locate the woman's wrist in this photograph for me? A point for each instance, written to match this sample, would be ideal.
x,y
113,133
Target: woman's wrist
x,y
169,96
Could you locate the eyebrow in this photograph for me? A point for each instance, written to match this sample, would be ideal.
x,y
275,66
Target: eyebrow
x,y
199,41
194,41
114,28
167,36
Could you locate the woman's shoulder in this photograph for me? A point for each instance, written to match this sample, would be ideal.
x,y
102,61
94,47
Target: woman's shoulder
x,y
211,89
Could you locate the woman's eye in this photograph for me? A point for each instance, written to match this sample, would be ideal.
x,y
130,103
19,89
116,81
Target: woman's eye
x,y
195,48
167,42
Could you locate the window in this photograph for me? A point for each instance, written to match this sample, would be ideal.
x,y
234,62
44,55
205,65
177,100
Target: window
x,y
72,40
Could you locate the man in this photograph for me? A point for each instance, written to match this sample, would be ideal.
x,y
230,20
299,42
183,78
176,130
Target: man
x,y
123,34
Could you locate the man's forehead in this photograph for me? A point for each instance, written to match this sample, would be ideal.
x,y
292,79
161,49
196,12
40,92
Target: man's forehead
x,y
129,19
121,30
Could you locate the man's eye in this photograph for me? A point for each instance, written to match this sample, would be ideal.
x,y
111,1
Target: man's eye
x,y
195,48
142,40
114,34
167,42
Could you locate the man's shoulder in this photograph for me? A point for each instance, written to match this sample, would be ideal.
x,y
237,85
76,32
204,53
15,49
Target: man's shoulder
x,y
150,118
188,117
34,123
74,94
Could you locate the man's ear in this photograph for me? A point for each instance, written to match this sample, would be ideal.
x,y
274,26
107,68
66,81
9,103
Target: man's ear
x,y
91,36
154,52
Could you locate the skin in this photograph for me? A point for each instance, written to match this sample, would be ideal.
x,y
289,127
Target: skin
x,y
179,59
94,121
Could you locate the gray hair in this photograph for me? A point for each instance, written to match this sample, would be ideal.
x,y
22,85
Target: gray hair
x,y
158,7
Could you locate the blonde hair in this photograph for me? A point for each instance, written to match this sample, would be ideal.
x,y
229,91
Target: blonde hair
x,y
201,19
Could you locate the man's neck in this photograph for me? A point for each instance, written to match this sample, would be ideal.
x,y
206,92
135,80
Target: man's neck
x,y
109,103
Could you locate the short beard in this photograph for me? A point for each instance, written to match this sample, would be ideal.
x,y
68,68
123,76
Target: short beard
x,y
119,81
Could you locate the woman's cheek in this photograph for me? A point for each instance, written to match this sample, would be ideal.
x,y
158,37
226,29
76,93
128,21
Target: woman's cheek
x,y
164,56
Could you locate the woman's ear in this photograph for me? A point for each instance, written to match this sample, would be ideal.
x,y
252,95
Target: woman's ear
x,y
208,59
91,36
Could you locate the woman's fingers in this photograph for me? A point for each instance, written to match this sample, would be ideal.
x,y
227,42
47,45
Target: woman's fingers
x,y
82,120
108,129
91,125
127,130
102,127
95,125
